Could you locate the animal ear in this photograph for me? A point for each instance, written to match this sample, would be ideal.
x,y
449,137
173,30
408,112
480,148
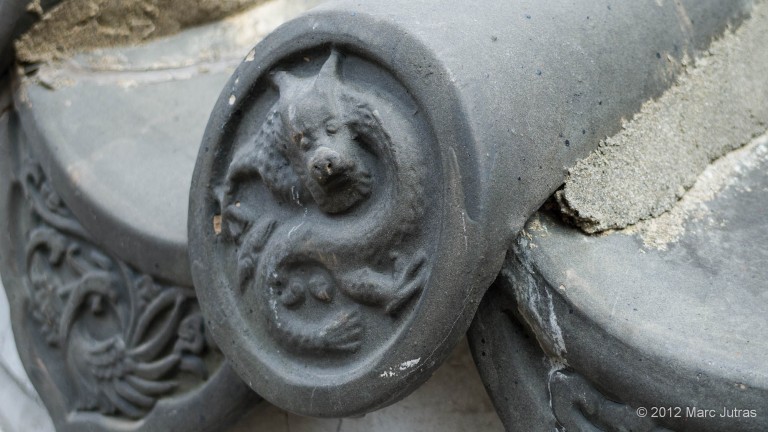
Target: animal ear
x,y
278,78
331,66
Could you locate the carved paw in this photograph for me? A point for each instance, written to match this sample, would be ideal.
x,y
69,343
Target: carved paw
x,y
410,282
235,223
293,295
321,287
344,333
293,286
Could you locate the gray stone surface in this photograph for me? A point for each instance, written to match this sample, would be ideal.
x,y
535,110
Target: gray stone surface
x,y
453,400
340,262
140,360
20,407
138,106
626,323
108,109
118,73
717,105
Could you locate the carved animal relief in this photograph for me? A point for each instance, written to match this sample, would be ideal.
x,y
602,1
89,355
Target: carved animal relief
x,y
125,339
321,209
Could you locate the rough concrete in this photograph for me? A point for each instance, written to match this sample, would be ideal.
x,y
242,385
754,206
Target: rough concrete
x,y
717,106
200,50
660,232
78,25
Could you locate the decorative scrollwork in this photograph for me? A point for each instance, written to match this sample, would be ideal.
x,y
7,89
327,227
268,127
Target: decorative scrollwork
x,y
126,339
323,206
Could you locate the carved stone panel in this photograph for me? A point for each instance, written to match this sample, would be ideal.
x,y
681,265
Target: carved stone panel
x,y
320,212
322,216
368,164
106,346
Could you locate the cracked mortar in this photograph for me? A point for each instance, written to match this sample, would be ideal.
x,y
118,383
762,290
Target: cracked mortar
x,y
716,107
78,25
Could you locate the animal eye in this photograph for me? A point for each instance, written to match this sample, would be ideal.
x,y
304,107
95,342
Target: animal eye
x,y
331,128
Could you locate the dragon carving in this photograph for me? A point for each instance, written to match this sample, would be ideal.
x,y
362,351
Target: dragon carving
x,y
341,230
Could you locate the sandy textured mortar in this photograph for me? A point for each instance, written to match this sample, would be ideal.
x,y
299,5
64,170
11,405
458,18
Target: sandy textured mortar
x,y
77,25
716,107
726,172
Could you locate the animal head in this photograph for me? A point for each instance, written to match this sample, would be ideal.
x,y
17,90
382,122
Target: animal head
x,y
323,144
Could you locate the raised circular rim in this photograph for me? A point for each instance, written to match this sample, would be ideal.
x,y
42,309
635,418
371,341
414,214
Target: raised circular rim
x,y
463,260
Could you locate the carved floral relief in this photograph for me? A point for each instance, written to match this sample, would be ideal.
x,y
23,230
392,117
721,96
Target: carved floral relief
x,y
125,339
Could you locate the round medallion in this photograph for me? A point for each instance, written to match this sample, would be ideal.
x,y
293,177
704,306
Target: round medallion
x,y
330,242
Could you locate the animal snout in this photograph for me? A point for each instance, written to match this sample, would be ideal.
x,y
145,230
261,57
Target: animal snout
x,y
327,165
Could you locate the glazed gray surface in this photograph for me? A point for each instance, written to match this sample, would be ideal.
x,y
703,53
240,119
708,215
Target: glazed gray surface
x,y
680,326
453,400
106,346
503,97
149,369
118,129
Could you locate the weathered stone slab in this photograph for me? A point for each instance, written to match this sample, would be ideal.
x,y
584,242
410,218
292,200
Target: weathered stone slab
x,y
368,164
93,248
628,325
75,25
119,131
718,105
106,346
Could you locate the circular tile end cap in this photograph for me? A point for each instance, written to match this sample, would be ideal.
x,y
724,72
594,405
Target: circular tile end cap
x,y
335,258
